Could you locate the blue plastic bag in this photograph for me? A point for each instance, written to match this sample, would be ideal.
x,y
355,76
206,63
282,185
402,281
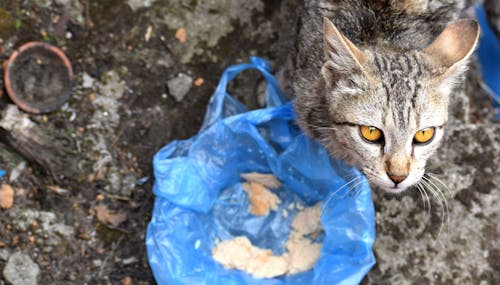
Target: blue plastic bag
x,y
199,198
488,53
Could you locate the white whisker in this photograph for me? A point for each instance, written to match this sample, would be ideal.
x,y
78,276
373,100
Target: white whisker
x,y
435,192
447,218
421,195
356,191
426,196
336,191
433,176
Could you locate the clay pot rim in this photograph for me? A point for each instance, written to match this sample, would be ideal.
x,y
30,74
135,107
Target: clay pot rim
x,y
8,84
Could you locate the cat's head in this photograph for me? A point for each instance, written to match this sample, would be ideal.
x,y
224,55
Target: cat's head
x,y
386,109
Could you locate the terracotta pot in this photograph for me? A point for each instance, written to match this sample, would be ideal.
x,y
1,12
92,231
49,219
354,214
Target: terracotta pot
x,y
38,77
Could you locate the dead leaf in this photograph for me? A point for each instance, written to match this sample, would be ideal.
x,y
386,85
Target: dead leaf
x,y
102,213
116,219
181,35
107,217
6,196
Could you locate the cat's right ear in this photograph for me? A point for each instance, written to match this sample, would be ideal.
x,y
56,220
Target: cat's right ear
x,y
342,56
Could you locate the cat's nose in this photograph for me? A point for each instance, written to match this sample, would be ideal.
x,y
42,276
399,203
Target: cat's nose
x,y
397,178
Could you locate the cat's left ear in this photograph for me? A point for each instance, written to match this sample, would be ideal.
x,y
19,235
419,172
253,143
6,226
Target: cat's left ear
x,y
452,48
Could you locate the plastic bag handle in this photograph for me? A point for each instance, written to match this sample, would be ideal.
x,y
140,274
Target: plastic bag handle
x,y
220,100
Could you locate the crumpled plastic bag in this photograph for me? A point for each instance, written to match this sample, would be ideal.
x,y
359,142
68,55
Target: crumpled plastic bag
x,y
199,198
488,53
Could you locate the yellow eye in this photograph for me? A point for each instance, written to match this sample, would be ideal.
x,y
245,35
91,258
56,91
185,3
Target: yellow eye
x,y
424,135
371,134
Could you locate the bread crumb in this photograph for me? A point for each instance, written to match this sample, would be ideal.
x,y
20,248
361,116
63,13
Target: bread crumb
x,y
301,254
268,180
307,221
284,213
239,253
261,199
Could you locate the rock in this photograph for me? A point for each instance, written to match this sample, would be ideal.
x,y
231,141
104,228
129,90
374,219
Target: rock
x,y
48,229
73,7
87,80
21,270
17,171
4,254
179,86
458,245
137,4
206,22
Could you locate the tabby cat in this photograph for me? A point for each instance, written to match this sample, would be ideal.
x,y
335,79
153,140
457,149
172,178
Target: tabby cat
x,y
373,80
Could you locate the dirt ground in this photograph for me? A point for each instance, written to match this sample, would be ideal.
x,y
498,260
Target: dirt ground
x,y
88,225
144,72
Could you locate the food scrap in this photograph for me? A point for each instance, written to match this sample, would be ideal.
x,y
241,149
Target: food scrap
x,y
261,199
241,254
301,252
268,180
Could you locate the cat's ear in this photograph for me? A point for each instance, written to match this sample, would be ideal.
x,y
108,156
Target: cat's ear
x,y
341,54
451,49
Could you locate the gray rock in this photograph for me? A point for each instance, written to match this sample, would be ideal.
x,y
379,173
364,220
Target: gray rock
x,y
179,86
21,270
49,231
206,22
137,4
87,80
4,254
440,245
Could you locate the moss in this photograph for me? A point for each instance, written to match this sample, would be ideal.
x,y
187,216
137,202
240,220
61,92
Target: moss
x,y
7,24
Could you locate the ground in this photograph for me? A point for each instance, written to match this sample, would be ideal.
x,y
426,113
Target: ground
x,y
144,71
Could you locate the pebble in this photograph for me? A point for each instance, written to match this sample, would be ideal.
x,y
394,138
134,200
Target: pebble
x,y
21,270
4,254
6,196
88,81
179,86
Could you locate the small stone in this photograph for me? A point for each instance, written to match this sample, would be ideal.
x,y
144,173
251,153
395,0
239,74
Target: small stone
x,y
17,171
127,281
88,81
130,260
6,196
181,35
179,86
138,4
21,269
4,254
199,81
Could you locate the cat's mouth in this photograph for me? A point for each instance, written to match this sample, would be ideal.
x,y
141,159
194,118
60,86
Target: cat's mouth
x,y
396,189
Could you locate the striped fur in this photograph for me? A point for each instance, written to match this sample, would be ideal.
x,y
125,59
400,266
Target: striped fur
x,y
381,64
